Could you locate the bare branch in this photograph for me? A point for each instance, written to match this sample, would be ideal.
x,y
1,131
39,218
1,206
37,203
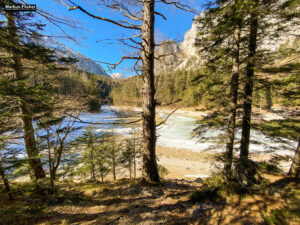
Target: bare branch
x,y
114,65
113,123
132,46
170,114
75,6
179,5
128,14
160,14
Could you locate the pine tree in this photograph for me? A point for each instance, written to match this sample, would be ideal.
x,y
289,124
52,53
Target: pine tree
x,y
113,154
223,22
127,157
36,168
93,159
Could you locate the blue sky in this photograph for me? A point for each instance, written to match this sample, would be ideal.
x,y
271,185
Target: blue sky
x,y
92,30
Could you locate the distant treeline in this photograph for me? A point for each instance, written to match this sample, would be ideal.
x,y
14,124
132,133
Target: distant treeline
x,y
202,88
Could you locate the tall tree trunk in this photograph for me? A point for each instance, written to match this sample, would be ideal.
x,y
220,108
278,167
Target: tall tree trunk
x,y
5,181
246,123
150,172
295,167
35,164
234,85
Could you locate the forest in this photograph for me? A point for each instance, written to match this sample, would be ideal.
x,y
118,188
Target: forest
x,y
203,130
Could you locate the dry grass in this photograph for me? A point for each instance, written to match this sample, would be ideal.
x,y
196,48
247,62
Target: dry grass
x,y
128,202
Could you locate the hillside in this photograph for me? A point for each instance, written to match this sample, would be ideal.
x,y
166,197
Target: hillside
x,y
83,62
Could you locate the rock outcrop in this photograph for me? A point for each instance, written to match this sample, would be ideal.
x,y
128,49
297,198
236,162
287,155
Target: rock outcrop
x,y
171,56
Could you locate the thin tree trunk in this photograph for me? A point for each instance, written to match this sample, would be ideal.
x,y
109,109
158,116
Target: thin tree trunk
x,y
130,176
269,96
35,164
92,165
101,172
295,167
246,123
52,177
114,162
102,177
5,181
233,98
134,159
150,172
50,169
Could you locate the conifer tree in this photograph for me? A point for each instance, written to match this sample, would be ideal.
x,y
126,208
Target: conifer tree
x,y
36,168
223,22
248,89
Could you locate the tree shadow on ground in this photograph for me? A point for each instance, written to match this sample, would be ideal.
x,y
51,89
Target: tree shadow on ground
x,y
253,209
128,202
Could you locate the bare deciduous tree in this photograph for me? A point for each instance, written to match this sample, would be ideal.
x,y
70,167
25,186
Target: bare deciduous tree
x,y
139,16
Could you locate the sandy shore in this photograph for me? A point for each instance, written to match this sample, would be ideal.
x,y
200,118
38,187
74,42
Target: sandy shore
x,y
182,163
278,113
187,164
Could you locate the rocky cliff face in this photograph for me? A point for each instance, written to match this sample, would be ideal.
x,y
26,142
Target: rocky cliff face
x,y
186,55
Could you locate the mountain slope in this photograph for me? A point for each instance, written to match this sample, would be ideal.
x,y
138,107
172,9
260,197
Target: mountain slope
x,y
84,62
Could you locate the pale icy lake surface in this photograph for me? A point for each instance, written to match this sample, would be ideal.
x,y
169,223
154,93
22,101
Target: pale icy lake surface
x,y
178,132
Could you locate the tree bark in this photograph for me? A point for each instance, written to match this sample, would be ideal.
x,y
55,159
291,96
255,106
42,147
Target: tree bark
x,y
150,171
295,167
5,181
234,85
35,164
246,122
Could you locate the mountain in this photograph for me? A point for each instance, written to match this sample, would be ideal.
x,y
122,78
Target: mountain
x,y
84,62
172,56
117,76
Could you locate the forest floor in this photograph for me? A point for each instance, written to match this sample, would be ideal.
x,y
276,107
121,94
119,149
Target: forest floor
x,y
128,202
